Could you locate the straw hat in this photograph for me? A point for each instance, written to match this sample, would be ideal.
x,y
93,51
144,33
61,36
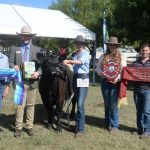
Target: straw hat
x,y
25,30
113,40
80,39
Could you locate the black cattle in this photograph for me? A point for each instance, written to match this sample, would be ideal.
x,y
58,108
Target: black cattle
x,y
54,88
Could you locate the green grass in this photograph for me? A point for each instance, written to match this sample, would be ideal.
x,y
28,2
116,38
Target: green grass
x,y
96,138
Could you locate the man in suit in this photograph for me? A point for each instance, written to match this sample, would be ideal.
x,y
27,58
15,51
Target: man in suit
x,y
26,52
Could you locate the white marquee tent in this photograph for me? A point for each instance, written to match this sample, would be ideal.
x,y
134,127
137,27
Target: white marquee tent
x,y
44,22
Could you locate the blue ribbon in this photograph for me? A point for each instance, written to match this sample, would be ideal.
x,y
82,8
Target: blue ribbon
x,y
13,74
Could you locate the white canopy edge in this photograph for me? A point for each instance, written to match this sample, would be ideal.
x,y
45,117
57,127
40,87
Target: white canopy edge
x,y
44,22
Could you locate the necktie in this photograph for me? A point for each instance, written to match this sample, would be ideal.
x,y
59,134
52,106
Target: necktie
x,y
25,54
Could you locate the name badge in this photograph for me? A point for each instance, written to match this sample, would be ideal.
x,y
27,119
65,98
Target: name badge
x,y
18,52
82,82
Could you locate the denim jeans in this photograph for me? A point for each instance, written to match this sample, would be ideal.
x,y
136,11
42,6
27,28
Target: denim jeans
x,y
142,103
80,95
110,94
2,87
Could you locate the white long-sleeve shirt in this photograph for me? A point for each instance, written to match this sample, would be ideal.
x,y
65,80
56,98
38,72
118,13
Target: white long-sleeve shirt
x,y
4,63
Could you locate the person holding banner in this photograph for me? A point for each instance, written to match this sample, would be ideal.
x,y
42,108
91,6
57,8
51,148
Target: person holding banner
x,y
109,69
80,81
142,93
24,59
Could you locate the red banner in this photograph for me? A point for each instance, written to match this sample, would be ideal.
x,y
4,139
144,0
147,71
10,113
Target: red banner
x,y
137,74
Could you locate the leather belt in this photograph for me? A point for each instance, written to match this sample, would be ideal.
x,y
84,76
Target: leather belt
x,y
81,75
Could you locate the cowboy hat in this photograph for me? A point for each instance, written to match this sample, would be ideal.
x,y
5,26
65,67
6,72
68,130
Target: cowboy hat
x,y
79,39
113,40
25,30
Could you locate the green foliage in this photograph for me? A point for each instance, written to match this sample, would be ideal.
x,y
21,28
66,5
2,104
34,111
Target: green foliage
x,y
127,19
137,44
65,6
56,43
132,20
87,12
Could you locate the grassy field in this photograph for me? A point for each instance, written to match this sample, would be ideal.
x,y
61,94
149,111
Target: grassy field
x,y
96,138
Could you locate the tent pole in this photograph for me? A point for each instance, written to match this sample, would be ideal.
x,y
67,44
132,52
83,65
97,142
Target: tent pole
x,y
94,61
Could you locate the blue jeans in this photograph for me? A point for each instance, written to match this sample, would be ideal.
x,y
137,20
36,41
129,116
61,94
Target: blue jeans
x,y
110,94
80,95
2,88
142,103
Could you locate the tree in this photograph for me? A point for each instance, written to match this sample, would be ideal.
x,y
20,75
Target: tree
x,y
127,19
87,12
131,20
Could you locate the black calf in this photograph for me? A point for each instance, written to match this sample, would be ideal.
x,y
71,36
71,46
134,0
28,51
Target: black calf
x,y
54,88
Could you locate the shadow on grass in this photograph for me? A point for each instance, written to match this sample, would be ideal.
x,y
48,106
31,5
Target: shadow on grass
x,y
68,127
7,121
95,121
41,118
127,129
100,122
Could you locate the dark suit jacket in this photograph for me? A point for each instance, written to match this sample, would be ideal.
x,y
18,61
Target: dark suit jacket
x,y
16,59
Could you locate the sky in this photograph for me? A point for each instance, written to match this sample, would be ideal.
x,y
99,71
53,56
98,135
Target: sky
x,y
30,3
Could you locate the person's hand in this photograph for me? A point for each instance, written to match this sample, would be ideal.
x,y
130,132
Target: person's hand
x,y
35,75
66,62
114,81
16,68
103,74
6,91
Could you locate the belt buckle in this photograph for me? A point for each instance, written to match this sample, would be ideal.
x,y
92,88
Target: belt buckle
x,y
84,76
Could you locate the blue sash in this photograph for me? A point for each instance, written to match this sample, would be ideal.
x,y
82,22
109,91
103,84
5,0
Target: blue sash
x,y
13,74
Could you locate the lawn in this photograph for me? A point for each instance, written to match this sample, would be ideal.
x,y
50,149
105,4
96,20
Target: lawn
x,y
96,138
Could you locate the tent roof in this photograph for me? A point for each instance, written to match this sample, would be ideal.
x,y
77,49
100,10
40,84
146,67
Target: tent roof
x,y
44,22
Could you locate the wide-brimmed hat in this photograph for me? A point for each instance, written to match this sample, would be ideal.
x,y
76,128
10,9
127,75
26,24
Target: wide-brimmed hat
x,y
25,30
79,39
113,40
